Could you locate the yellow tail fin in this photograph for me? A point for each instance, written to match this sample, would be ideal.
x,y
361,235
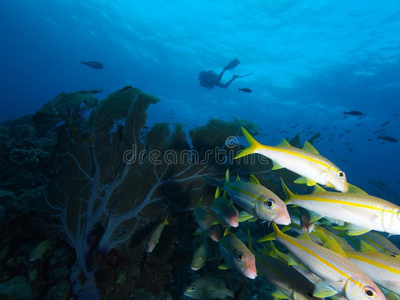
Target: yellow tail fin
x,y
253,145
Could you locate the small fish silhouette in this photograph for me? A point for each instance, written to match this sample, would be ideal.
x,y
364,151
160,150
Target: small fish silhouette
x,y
246,90
93,64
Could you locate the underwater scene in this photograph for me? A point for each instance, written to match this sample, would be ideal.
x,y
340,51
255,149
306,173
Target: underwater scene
x,y
199,149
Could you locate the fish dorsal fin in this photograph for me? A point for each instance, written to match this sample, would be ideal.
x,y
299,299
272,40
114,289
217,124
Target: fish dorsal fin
x,y
227,175
304,237
309,148
254,179
224,194
365,247
355,190
329,242
237,178
322,290
318,189
283,144
217,191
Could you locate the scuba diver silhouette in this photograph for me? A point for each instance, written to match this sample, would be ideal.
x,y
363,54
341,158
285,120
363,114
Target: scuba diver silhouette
x,y
209,78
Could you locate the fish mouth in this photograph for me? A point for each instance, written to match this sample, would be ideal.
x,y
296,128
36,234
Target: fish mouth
x,y
233,222
283,220
195,268
251,274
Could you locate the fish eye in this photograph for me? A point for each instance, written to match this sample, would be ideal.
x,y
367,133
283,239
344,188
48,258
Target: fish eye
x,y
270,203
226,212
370,292
240,256
309,294
341,174
212,228
193,288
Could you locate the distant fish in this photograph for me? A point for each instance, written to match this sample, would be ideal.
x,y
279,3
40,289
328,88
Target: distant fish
x,y
40,250
379,131
93,64
384,124
388,138
155,237
246,90
353,113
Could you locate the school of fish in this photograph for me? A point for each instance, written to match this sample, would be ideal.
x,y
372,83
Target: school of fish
x,y
331,244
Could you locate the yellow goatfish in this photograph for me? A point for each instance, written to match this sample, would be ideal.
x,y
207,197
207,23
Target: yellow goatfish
x,y
383,269
307,162
361,211
339,275
255,199
207,287
39,251
381,243
155,237
238,256
289,283
200,256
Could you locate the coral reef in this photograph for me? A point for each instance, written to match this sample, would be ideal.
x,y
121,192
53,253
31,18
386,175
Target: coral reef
x,y
103,182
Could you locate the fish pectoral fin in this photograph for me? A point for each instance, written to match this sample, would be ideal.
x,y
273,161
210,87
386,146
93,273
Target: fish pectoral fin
x,y
278,294
392,296
253,219
244,216
322,290
303,180
365,247
224,266
314,217
353,229
276,166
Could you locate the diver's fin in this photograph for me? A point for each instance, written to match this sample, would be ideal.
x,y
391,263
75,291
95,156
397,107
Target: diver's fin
x,y
232,64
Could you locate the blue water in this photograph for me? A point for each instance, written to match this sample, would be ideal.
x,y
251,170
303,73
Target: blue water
x,y
309,62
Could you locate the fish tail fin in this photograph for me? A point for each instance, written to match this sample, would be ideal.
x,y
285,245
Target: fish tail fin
x,y
288,193
253,145
271,236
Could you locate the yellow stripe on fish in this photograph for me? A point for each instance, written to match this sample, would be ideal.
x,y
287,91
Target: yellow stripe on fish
x,y
306,162
339,275
362,211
